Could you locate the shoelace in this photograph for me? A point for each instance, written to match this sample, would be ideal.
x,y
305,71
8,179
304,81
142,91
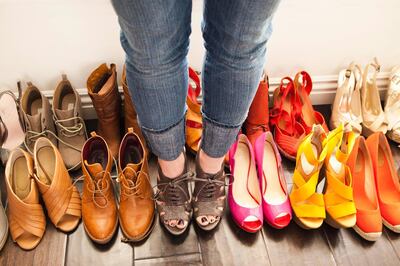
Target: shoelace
x,y
71,131
132,188
33,136
211,185
98,189
172,188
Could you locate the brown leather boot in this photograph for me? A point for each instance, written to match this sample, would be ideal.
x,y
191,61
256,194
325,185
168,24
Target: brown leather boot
x,y
130,114
99,207
258,117
103,90
37,116
71,130
136,208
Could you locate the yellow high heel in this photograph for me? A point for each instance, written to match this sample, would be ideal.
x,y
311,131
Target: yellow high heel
x,y
338,191
308,205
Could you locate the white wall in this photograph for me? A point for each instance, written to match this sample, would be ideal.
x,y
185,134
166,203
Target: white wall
x,y
40,39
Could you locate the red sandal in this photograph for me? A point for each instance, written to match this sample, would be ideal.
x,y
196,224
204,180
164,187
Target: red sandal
x,y
288,133
306,114
194,125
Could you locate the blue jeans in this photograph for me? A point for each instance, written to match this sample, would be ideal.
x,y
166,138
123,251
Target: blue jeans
x,y
155,37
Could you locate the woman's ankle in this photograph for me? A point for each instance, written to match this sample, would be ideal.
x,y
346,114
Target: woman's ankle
x,y
209,164
174,168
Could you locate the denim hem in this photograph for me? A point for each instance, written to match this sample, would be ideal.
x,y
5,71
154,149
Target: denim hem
x,y
217,138
167,144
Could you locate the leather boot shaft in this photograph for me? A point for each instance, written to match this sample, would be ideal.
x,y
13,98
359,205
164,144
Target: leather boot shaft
x,y
130,115
103,90
258,117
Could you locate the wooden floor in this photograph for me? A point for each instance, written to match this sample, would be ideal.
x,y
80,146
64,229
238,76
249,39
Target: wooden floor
x,y
227,245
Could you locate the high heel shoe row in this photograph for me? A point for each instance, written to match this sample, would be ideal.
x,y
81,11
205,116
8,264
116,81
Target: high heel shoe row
x,y
360,190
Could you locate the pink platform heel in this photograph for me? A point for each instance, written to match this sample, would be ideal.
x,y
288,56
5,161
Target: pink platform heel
x,y
275,201
244,196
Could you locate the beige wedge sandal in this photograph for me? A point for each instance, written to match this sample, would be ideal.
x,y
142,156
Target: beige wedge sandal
x,y
392,105
374,119
346,108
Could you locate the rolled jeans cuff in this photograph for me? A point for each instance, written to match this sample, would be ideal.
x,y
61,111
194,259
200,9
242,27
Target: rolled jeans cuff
x,y
166,144
217,138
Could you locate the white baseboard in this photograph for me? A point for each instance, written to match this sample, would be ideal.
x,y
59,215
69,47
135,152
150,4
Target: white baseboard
x,y
324,91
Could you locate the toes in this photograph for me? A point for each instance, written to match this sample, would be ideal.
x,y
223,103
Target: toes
x,y
172,223
181,224
203,220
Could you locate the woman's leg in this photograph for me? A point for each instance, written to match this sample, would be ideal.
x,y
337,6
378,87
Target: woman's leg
x,y
235,34
155,37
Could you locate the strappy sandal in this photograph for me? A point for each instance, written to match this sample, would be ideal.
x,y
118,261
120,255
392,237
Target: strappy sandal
x,y
60,196
174,202
392,105
338,191
288,133
346,108
209,197
12,129
306,113
308,205
373,115
25,213
194,124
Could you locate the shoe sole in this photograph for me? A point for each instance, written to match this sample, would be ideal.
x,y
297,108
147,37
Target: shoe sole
x,y
367,236
391,227
146,234
101,241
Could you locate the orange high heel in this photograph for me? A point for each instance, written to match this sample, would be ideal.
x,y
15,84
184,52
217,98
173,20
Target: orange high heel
x,y
386,180
369,221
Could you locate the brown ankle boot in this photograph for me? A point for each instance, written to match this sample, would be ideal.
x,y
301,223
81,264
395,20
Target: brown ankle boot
x,y
136,207
99,207
258,117
130,114
103,90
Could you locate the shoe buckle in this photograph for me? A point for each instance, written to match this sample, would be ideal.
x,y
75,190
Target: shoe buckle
x,y
348,73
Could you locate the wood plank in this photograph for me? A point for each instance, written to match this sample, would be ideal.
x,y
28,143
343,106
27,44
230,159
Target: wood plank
x,y
296,246
350,249
230,245
189,259
50,251
161,243
82,250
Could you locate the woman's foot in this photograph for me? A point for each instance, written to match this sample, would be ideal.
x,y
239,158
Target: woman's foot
x,y
172,196
209,192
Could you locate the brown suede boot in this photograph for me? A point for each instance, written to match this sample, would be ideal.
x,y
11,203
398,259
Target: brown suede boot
x,y
130,114
37,116
103,90
258,117
70,126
